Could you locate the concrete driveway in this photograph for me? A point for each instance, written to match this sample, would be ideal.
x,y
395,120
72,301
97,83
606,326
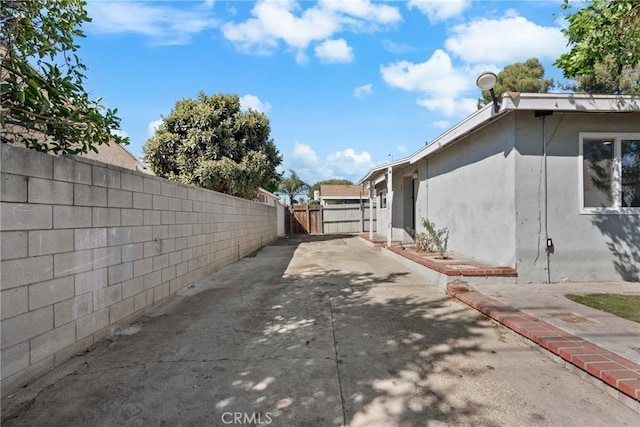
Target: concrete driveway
x,y
315,332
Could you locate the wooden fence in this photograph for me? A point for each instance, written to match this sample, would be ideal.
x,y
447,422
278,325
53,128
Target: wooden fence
x,y
315,219
304,219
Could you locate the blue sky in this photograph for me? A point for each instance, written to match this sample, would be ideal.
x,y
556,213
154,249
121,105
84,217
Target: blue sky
x,y
346,84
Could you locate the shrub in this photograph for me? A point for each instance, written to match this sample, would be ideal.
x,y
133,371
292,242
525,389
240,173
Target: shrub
x,y
439,237
423,241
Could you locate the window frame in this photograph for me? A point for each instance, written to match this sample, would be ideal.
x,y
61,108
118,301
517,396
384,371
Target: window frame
x,y
383,198
616,179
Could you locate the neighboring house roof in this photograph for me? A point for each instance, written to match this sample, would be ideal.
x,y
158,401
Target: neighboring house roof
x,y
117,155
113,154
514,101
264,195
340,191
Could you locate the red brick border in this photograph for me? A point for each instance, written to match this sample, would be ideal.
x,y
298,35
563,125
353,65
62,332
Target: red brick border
x,y
475,269
614,370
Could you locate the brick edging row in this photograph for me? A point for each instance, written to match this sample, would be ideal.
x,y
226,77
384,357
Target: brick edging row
x,y
479,270
614,370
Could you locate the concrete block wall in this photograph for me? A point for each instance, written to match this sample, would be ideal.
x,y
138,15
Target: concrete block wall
x,y
87,247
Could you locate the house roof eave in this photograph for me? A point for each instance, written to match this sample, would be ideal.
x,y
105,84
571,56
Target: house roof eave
x,y
515,101
381,169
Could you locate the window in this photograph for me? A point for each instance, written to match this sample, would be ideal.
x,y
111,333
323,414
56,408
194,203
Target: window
x,y
383,199
610,172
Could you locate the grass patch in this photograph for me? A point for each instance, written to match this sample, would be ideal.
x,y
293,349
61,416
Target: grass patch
x,y
625,306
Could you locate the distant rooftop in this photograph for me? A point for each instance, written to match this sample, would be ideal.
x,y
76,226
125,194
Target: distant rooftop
x,y
339,191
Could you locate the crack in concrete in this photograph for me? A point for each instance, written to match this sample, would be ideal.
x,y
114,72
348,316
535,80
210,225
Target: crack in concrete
x,y
25,399
222,359
335,350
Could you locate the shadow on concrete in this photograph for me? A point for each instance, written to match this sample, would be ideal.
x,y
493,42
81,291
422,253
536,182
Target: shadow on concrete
x,y
280,340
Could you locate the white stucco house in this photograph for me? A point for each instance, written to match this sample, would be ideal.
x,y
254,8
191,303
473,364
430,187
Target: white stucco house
x,y
548,184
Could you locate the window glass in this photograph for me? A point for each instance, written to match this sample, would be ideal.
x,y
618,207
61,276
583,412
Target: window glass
x,y
383,199
597,169
630,160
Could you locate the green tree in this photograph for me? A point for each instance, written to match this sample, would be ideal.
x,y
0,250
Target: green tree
x,y
525,76
211,143
606,80
292,186
44,104
604,36
335,181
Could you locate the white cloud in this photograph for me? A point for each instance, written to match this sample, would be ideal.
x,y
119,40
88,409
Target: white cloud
x,y
301,57
163,24
276,21
439,10
153,126
342,164
305,154
441,124
334,51
362,91
402,148
449,106
364,9
436,75
121,133
348,162
444,87
505,40
448,87
253,102
393,47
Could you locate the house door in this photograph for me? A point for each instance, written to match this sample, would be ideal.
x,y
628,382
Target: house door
x,y
409,203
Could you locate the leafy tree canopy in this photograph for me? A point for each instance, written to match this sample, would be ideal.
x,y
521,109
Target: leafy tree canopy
x,y
292,186
604,36
44,104
211,143
606,80
525,76
335,181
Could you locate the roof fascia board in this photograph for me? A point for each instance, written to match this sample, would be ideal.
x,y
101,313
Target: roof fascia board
x,y
374,171
379,179
582,103
529,102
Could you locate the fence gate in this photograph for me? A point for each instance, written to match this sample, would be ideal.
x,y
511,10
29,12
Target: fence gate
x,y
329,219
304,219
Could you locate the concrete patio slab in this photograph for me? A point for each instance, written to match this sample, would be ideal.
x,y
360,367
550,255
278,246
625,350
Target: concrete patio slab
x,y
314,331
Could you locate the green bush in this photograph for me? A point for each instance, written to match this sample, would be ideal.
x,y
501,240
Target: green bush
x,y
434,240
423,242
440,236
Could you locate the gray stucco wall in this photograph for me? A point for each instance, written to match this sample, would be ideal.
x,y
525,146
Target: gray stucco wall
x,y
86,247
471,191
588,247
